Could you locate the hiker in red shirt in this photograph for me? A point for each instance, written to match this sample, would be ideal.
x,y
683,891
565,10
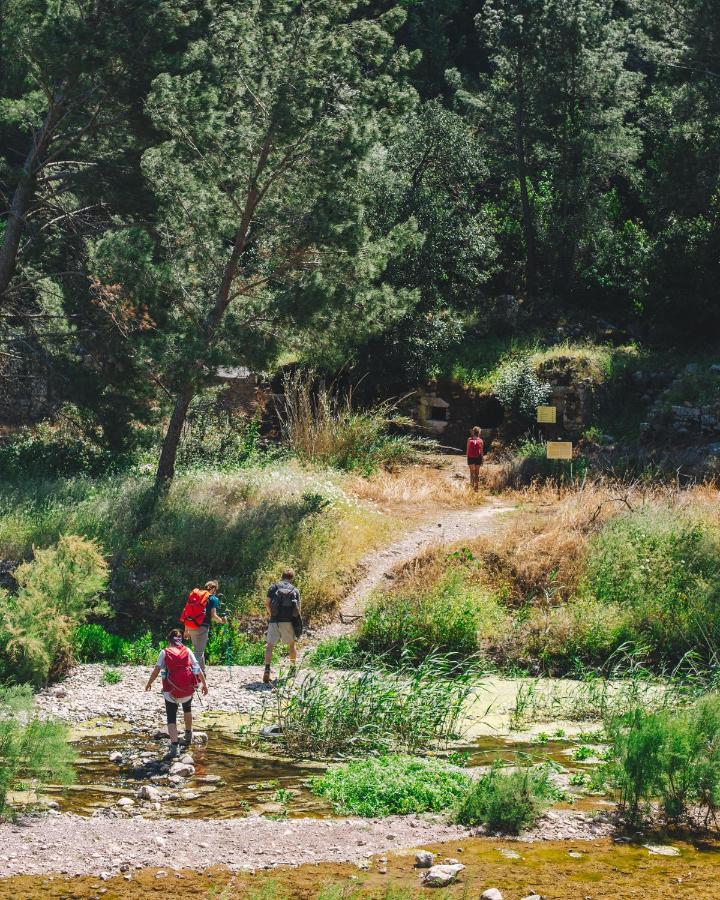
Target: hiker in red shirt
x,y
181,674
475,452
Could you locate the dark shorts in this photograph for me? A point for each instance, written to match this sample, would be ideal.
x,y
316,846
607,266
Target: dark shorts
x,y
475,460
171,710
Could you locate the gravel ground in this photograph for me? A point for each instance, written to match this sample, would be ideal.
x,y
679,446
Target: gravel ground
x,y
43,844
83,695
76,845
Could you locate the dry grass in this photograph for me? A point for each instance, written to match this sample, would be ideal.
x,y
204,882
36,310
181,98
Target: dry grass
x,y
417,490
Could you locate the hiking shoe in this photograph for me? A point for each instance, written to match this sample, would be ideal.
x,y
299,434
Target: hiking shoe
x,y
266,676
187,738
172,752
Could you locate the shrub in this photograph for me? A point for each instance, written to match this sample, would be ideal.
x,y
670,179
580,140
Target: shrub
x,y
519,389
658,569
30,749
54,452
228,646
323,426
446,618
92,643
391,785
370,710
215,436
672,755
57,591
111,676
508,800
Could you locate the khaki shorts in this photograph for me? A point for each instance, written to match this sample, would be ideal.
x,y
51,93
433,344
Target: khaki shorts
x,y
280,633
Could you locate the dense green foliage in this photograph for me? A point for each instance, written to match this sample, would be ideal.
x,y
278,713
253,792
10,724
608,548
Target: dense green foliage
x,y
32,752
392,785
57,591
653,579
448,618
670,755
508,800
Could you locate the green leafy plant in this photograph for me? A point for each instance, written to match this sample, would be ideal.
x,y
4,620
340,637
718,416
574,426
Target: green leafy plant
x,y
111,676
338,653
31,750
508,801
392,785
57,591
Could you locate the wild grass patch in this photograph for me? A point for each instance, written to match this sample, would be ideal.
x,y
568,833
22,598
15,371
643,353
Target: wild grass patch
x,y
370,710
392,785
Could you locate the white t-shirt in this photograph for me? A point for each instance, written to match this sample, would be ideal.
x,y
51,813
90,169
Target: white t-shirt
x,y
195,668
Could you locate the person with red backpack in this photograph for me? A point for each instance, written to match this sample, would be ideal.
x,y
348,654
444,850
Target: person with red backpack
x,y
181,674
200,611
475,453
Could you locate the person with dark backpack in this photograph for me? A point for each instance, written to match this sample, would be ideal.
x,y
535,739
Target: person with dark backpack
x,y
283,607
181,674
475,453
200,611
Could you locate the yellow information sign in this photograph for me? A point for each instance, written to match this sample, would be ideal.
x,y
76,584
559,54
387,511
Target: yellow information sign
x,y
559,449
547,415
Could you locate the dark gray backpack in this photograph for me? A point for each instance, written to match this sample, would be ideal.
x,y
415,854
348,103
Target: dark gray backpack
x,y
284,600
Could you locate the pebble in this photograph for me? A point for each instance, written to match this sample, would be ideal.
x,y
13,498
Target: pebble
x,y
126,801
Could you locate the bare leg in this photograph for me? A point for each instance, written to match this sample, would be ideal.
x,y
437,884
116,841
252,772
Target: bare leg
x,y
292,652
172,733
268,653
188,720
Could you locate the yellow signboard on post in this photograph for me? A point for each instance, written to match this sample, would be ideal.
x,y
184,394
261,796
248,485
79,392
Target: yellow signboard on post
x,y
559,449
547,415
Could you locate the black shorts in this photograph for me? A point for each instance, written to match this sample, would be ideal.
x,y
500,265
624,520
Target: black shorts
x,y
475,460
171,710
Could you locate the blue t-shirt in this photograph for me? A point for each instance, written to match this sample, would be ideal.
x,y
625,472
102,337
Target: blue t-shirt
x,y
213,603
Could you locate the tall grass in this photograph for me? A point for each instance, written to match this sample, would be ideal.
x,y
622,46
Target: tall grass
x,y
323,426
32,752
241,527
370,710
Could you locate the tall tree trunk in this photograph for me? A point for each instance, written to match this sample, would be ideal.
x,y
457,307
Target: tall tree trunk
x,y
25,194
166,466
168,455
522,171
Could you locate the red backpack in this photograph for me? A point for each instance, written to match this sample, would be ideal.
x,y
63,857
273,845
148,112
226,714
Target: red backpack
x,y
179,680
475,448
193,614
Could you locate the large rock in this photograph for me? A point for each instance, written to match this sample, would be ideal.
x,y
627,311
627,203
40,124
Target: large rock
x,y
491,894
424,859
148,792
184,770
442,876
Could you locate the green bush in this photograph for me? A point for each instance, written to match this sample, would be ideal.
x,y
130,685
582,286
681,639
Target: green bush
x,y
392,785
670,755
508,800
31,750
370,710
53,453
227,646
448,618
336,653
656,575
92,643
57,591
518,388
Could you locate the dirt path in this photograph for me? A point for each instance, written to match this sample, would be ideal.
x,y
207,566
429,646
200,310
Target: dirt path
x,y
449,527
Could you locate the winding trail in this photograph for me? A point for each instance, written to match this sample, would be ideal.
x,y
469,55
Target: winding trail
x,y
380,566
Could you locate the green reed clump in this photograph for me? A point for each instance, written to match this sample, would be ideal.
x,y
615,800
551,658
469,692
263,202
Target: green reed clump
x,y
671,756
508,800
32,752
337,653
392,784
371,710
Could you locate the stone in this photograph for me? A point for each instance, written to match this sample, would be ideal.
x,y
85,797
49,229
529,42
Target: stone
x,y
148,792
491,894
184,770
208,779
160,735
533,897
661,850
423,859
126,801
59,693
187,759
200,738
441,876
115,757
